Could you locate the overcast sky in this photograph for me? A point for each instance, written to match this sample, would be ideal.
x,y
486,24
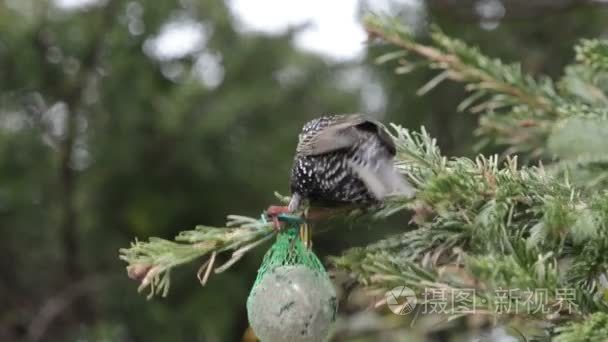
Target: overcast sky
x,y
334,29
333,26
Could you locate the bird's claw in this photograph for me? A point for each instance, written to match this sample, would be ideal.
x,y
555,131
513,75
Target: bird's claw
x,y
273,213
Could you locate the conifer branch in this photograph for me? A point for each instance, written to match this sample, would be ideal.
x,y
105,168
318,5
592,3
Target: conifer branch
x,y
592,328
151,262
486,226
466,64
594,53
518,110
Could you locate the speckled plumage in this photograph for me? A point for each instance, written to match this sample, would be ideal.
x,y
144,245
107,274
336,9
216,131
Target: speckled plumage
x,y
344,159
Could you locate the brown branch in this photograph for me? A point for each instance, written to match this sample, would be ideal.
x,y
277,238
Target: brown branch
x,y
58,304
67,175
458,71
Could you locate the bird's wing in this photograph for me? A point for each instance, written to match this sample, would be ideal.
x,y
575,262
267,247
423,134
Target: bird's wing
x,y
382,179
343,134
333,138
378,129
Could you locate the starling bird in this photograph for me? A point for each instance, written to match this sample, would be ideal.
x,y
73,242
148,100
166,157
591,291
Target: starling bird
x,y
345,159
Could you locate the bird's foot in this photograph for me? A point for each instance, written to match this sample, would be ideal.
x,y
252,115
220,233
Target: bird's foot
x,y
273,213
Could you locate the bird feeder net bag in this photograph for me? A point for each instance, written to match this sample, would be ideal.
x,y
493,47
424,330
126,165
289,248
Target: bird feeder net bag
x,y
289,250
292,298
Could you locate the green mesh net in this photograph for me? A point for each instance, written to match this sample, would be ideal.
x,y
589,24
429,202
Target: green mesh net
x,y
292,298
289,250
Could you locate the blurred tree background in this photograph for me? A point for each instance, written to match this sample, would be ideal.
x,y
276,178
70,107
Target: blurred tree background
x,y
104,137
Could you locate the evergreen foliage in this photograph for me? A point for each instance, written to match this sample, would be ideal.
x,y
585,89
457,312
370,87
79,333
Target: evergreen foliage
x,y
487,224
490,224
